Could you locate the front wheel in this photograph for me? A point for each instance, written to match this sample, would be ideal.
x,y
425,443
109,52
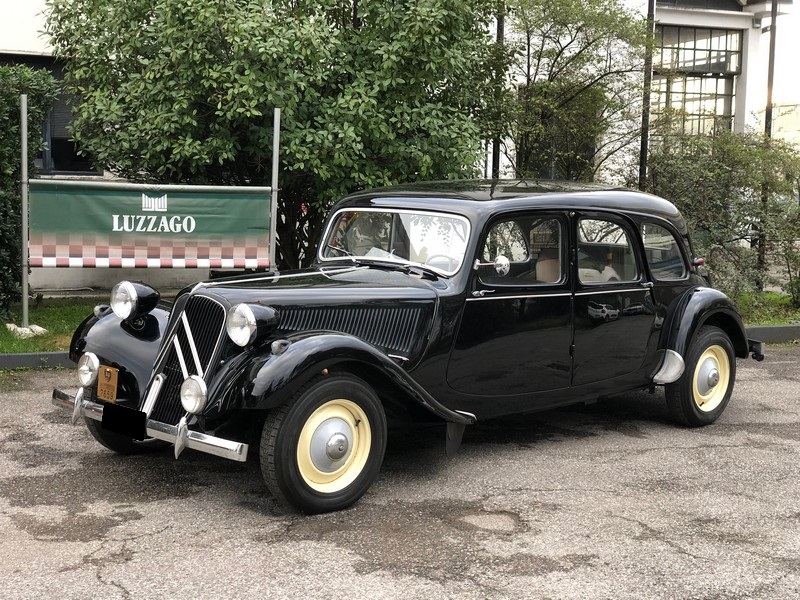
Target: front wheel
x,y
701,394
322,450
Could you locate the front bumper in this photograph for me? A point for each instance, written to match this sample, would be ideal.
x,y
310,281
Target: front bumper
x,y
180,435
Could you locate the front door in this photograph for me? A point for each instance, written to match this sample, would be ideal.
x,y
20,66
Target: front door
x,y
516,329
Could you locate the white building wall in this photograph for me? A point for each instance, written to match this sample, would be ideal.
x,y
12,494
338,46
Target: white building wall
x,y
21,27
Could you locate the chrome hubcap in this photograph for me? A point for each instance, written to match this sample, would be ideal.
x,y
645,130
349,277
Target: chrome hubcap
x,y
337,446
713,378
331,443
707,376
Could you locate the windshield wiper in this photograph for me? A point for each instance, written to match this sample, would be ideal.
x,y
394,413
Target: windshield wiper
x,y
342,251
405,267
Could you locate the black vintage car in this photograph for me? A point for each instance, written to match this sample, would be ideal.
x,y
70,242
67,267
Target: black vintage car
x,y
450,302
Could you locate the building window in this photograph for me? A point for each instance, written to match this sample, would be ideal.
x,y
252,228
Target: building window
x,y
694,71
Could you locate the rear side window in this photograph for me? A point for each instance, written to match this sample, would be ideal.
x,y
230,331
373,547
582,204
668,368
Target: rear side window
x,y
663,253
605,252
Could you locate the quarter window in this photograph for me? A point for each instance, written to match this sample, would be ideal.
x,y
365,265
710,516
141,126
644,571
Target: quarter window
x,y
663,252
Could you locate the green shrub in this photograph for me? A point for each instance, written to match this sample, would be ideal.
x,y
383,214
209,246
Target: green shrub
x,y
41,88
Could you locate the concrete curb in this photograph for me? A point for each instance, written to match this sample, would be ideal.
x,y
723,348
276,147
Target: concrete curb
x,y
28,360
769,334
774,334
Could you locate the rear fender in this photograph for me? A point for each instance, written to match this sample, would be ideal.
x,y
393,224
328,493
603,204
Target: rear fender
x,y
304,356
703,306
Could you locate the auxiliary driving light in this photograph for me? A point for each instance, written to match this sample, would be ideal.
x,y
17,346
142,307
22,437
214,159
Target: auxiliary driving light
x,y
193,394
88,367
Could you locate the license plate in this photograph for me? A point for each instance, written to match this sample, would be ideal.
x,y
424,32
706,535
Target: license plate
x,y
124,421
107,384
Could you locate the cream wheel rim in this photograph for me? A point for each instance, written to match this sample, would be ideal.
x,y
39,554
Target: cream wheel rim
x,y
711,377
334,446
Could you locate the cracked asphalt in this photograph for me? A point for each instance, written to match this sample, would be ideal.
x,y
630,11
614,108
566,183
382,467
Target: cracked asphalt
x,y
603,501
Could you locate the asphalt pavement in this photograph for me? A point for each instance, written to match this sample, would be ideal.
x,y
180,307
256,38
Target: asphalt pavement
x,y
609,500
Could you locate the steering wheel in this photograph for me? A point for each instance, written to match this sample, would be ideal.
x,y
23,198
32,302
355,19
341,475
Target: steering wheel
x,y
452,263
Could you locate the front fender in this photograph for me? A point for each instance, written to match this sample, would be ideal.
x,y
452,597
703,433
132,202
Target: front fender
x,y
305,355
703,306
131,346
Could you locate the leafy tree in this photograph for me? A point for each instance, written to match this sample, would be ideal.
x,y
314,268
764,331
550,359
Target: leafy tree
x,y
577,81
736,191
41,89
372,92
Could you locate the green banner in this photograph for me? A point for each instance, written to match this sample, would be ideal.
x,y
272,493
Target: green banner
x,y
79,223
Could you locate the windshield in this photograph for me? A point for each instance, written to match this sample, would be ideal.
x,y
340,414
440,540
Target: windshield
x,y
435,240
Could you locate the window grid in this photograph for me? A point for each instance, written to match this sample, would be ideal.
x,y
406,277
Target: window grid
x,y
694,70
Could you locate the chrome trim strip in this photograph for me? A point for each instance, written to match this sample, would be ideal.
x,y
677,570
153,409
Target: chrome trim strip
x,y
162,431
560,295
612,291
398,357
152,394
181,359
273,277
192,346
467,414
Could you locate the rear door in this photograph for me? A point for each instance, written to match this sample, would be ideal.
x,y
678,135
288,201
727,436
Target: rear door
x,y
614,309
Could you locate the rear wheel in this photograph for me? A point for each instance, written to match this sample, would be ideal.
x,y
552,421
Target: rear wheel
x,y
701,394
322,450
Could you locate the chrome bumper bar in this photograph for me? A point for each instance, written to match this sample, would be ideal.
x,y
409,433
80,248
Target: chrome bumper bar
x,y
180,435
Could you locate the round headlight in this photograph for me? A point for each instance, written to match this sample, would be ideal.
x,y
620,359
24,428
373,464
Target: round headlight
x,y
241,324
88,367
193,394
124,299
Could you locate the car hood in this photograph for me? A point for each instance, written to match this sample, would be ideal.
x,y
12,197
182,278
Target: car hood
x,y
350,285
390,309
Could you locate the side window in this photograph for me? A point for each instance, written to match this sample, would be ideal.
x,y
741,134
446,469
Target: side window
x,y
605,252
533,246
663,252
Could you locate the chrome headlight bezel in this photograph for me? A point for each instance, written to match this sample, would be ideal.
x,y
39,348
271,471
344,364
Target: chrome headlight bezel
x,y
246,323
124,299
130,299
88,368
241,325
194,394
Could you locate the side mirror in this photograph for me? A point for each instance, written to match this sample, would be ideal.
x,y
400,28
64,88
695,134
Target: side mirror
x,y
501,265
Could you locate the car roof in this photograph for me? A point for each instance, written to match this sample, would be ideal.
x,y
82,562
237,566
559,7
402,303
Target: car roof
x,y
485,197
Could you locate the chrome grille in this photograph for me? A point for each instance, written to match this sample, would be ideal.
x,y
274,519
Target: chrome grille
x,y
195,339
391,328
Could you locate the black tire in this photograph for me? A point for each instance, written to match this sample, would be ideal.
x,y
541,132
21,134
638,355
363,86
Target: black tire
x,y
300,460
700,396
119,443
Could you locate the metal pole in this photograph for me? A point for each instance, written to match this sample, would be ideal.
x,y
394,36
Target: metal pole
x,y
501,26
644,147
23,116
273,215
773,26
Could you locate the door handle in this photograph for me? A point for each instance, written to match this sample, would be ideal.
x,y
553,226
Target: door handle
x,y
482,293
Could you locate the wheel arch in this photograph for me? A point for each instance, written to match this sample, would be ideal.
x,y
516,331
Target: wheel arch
x,y
305,356
698,307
